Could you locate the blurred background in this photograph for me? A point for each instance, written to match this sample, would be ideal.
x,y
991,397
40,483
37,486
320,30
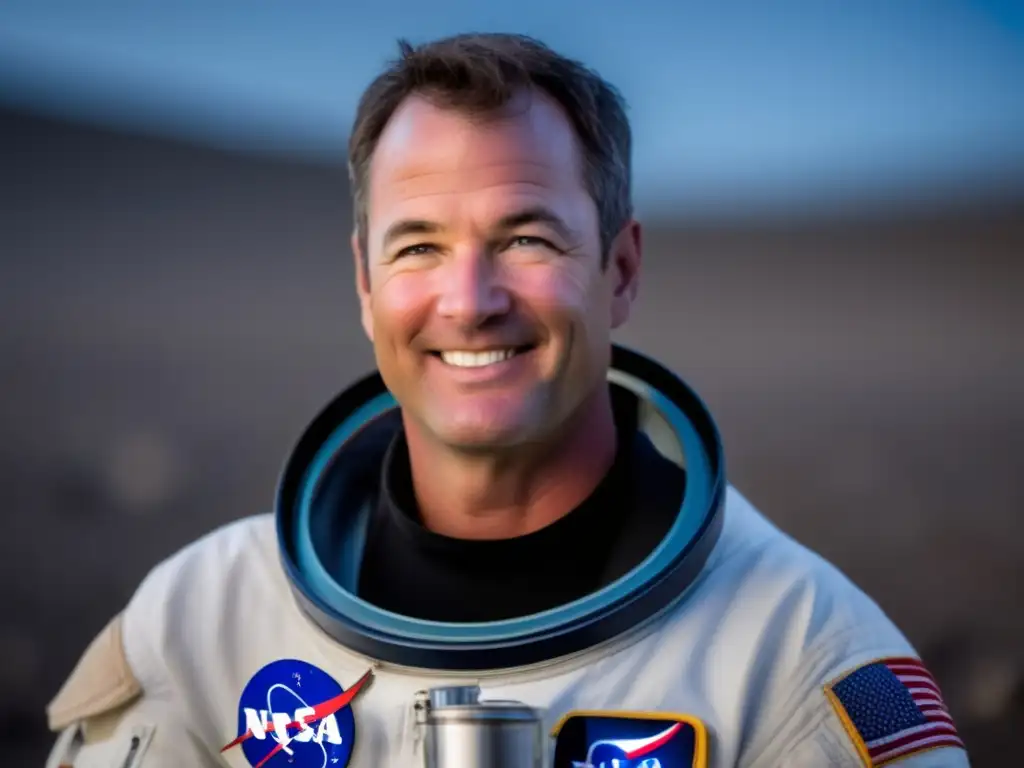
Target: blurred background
x,y
834,196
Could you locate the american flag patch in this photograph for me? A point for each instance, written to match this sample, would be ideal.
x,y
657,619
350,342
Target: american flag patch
x,y
892,708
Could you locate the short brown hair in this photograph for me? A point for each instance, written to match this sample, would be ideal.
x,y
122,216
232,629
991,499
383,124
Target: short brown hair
x,y
481,73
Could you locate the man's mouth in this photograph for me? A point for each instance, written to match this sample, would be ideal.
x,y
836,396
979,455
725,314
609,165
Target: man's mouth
x,y
464,358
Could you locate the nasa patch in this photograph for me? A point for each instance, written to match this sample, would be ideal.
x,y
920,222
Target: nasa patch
x,y
598,739
293,713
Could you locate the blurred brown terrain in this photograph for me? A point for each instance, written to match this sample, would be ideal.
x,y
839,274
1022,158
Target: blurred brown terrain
x,y
170,318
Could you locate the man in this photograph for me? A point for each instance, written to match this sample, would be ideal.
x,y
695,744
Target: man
x,y
544,516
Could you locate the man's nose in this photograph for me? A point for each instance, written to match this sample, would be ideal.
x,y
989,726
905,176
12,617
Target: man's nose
x,y
472,290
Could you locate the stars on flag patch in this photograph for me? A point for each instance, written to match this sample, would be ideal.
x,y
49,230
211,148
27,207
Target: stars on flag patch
x,y
892,708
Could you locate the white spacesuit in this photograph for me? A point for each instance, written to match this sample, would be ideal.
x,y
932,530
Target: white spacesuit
x,y
762,650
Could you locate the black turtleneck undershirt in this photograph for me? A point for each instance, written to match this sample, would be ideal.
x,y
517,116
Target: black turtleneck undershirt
x,y
412,571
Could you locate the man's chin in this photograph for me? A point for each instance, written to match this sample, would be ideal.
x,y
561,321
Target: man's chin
x,y
481,437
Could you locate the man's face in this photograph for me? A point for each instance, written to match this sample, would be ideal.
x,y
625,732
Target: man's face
x,y
484,295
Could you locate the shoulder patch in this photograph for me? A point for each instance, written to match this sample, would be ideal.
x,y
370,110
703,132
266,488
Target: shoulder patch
x,y
600,738
101,681
892,708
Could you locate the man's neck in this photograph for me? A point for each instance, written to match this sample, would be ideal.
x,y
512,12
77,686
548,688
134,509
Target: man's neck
x,y
508,495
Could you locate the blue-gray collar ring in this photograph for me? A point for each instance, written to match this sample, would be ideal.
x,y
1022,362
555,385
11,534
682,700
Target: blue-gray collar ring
x,y
313,547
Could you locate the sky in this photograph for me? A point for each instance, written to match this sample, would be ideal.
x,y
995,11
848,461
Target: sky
x,y
754,105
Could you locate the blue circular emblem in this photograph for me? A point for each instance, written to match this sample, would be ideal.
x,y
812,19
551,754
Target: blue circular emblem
x,y
294,714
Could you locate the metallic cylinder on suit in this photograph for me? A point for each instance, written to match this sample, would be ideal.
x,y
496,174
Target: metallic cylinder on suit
x,y
460,731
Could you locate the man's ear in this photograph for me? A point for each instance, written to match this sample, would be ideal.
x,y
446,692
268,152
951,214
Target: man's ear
x,y
362,272
624,260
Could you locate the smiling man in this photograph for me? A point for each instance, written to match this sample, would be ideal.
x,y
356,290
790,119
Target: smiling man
x,y
509,503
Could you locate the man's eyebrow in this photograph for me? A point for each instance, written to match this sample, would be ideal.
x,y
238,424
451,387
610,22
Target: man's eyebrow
x,y
537,215
405,227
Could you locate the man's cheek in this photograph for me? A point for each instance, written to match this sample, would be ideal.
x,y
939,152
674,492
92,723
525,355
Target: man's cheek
x,y
400,310
555,291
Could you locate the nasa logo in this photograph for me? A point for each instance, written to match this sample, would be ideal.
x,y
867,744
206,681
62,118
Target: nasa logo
x,y
629,740
292,709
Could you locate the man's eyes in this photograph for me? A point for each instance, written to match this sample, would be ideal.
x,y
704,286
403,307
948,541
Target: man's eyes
x,y
519,241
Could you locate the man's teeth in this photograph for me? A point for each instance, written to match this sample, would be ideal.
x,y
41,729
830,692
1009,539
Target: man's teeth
x,y
476,359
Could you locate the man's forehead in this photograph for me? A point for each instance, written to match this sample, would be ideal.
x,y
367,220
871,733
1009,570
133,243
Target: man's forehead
x,y
509,185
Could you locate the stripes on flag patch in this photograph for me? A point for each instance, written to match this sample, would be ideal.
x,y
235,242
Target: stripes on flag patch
x,y
892,708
